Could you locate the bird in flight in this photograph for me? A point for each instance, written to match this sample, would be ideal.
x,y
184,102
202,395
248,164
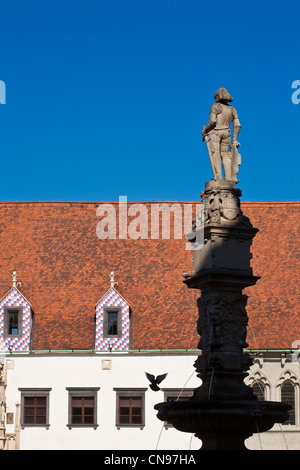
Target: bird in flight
x,y
155,381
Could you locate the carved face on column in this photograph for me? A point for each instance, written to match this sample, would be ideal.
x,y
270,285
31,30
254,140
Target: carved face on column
x,y
214,207
216,307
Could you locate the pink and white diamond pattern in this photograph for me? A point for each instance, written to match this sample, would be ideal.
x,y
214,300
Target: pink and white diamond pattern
x,y
15,299
112,299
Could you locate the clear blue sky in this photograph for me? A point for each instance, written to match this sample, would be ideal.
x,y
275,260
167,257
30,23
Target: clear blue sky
x,y
108,98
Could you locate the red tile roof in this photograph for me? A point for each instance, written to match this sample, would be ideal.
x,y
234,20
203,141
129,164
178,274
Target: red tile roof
x,y
64,269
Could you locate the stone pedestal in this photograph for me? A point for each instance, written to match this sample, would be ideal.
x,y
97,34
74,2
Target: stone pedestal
x,y
223,411
228,233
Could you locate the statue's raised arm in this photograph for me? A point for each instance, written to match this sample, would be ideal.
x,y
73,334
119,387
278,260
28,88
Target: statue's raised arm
x,y
217,135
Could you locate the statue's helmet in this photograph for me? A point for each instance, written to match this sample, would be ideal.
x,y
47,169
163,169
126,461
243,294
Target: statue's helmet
x,y
223,95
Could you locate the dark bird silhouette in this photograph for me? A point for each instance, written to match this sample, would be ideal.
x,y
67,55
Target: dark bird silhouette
x,y
186,275
155,381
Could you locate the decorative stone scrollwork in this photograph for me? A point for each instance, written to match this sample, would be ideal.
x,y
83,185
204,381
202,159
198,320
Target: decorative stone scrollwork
x,y
258,359
222,322
222,204
285,358
256,376
288,376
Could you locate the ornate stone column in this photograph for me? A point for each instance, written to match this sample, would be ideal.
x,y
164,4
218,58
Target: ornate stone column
x,y
223,411
221,270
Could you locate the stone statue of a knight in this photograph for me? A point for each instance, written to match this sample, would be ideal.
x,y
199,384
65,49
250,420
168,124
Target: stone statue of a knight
x,y
217,135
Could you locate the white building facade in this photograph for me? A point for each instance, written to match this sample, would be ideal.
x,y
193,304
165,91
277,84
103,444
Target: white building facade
x,y
114,384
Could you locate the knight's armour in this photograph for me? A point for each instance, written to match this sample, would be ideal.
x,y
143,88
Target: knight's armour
x,y
221,116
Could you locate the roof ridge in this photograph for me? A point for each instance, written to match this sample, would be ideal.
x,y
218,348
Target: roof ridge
x,y
137,202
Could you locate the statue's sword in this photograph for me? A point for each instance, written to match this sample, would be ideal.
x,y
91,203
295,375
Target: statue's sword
x,y
210,150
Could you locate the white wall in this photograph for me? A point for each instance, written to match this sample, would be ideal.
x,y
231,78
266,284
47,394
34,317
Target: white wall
x,y
61,371
58,371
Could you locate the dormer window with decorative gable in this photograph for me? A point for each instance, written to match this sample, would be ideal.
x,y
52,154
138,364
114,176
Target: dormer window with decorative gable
x,y
15,320
112,321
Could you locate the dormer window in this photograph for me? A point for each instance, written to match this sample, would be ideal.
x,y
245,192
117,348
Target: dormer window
x,y
112,321
15,320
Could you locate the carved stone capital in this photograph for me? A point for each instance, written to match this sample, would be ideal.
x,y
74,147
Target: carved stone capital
x,y
221,201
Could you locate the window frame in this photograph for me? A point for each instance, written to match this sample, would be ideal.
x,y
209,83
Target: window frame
x,y
35,393
7,311
170,393
82,392
130,393
294,417
261,396
106,312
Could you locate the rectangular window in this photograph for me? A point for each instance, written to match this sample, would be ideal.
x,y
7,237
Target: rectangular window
x,y
83,410
13,318
171,394
259,390
288,396
130,407
130,410
35,407
13,323
112,322
82,407
35,410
